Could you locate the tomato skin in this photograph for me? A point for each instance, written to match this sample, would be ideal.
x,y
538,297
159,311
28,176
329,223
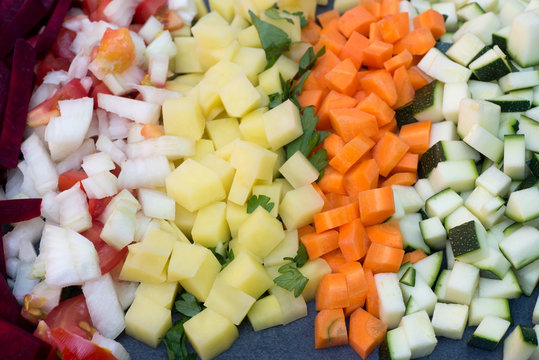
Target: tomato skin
x,y
109,257
74,347
100,88
62,46
97,206
50,63
69,314
116,51
148,8
69,178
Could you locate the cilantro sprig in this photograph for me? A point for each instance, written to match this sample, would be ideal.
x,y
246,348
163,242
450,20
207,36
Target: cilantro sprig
x,y
187,305
274,40
224,258
292,279
260,200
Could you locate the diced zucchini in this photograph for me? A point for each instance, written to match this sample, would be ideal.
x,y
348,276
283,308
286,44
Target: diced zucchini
x,y
491,65
405,115
470,11
419,297
440,67
448,9
423,188
479,112
449,256
526,94
429,267
462,283
485,142
514,158
511,103
506,288
482,307
522,246
404,267
443,203
419,333
484,90
508,124
510,9
411,233
466,49
408,198
528,277
397,344
468,242
483,26
530,128
489,333
494,181
433,233
523,39
443,46
520,344
427,104
483,204
499,38
535,317
519,80
459,175
445,151
494,263
459,217
390,299
441,285
522,205
408,278
533,165
449,320
453,93
443,131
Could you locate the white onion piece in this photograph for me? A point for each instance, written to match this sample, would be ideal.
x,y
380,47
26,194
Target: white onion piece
x,y
28,188
24,283
103,120
123,195
134,133
120,144
89,35
156,95
120,84
87,83
118,126
143,224
173,147
14,182
104,144
136,110
150,29
105,310
120,12
147,172
96,163
79,66
157,204
100,185
74,212
113,346
50,209
27,253
120,214
93,129
158,69
140,47
162,44
74,160
56,77
49,296
12,265
42,93
73,20
42,169
185,8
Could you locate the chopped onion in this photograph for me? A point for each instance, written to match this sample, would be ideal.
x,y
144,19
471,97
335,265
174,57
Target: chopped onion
x,y
24,283
93,130
27,253
120,12
89,35
74,160
156,95
100,185
120,215
134,133
118,126
96,163
186,9
162,44
105,310
79,66
42,93
158,68
28,188
120,84
14,182
140,47
136,110
74,212
113,346
48,296
147,172
50,209
125,290
150,29
143,225
173,147
29,229
120,144
73,20
103,120
104,144
12,265
41,167
87,83
57,77
157,204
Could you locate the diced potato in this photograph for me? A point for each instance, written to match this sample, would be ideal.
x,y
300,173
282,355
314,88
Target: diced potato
x,y
188,79
202,10
224,7
222,168
210,333
226,151
185,30
185,61
213,17
212,35
246,274
297,50
254,159
173,229
282,124
156,204
210,57
147,321
239,96
252,61
223,131
208,95
314,270
261,232
184,219
235,216
222,72
195,267
252,128
194,186
203,147
287,248
135,269
269,81
162,294
292,30
228,301
299,206
238,248
288,68
286,187
343,5
242,7
241,187
281,159
292,307
182,117
249,37
210,227
265,313
239,22
264,98
299,171
273,191
307,6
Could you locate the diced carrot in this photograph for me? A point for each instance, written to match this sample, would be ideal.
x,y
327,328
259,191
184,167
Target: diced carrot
x,y
330,329
418,78
377,53
353,240
408,163
336,217
432,20
304,230
394,27
417,136
366,332
376,205
332,292
343,78
333,144
391,127
381,83
352,121
357,284
333,100
362,176
353,49
351,153
382,259
374,105
311,32
335,259
323,65
417,42
360,95
388,234
332,181
150,131
313,83
320,244
372,302
356,19
404,58
388,151
389,7
326,17
404,87
413,256
332,39
311,97
337,200
67,179
321,194
375,34
372,6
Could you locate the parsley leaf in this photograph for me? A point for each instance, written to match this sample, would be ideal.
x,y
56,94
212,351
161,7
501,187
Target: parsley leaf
x,y
306,142
274,40
302,20
260,200
319,160
301,256
273,13
187,305
174,341
291,279
308,59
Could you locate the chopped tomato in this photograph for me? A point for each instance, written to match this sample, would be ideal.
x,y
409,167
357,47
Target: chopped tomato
x,y
41,114
100,88
171,20
95,9
74,347
62,46
147,8
97,206
116,51
71,314
69,178
50,63
109,257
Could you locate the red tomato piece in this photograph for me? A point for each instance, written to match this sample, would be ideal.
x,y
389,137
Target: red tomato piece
x,y
74,347
70,314
116,51
62,47
148,8
109,257
69,178
97,206
100,88
50,63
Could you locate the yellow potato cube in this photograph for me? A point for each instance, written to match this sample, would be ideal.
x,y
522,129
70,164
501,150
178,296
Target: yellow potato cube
x,y
249,37
228,301
252,61
171,228
252,128
273,270
241,187
288,68
314,270
287,248
208,95
273,191
285,187
235,216
265,313
299,206
210,333
147,321
281,159
162,294
239,96
299,171
261,232
269,81
182,117
209,57
188,79
195,267
202,10
343,5
194,186
203,147
254,159
242,7
185,30
282,124
213,17
223,131
211,35
308,7
210,227
224,7
297,50
225,152
246,274
292,30
264,98
185,61
238,248
222,72
222,168
239,22
292,307
216,112
135,268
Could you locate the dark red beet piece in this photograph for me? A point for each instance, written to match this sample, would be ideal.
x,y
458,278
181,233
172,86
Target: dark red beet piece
x,y
19,344
20,90
4,89
19,210
8,9
49,34
9,307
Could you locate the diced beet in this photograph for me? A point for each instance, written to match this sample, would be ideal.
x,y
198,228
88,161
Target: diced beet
x,y
19,344
49,34
28,16
9,307
62,46
4,89
12,211
20,90
8,9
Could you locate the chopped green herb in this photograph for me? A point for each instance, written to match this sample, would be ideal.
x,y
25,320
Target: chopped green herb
x,y
310,138
260,200
174,341
319,160
274,14
302,20
301,256
229,258
308,59
187,305
291,279
274,40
